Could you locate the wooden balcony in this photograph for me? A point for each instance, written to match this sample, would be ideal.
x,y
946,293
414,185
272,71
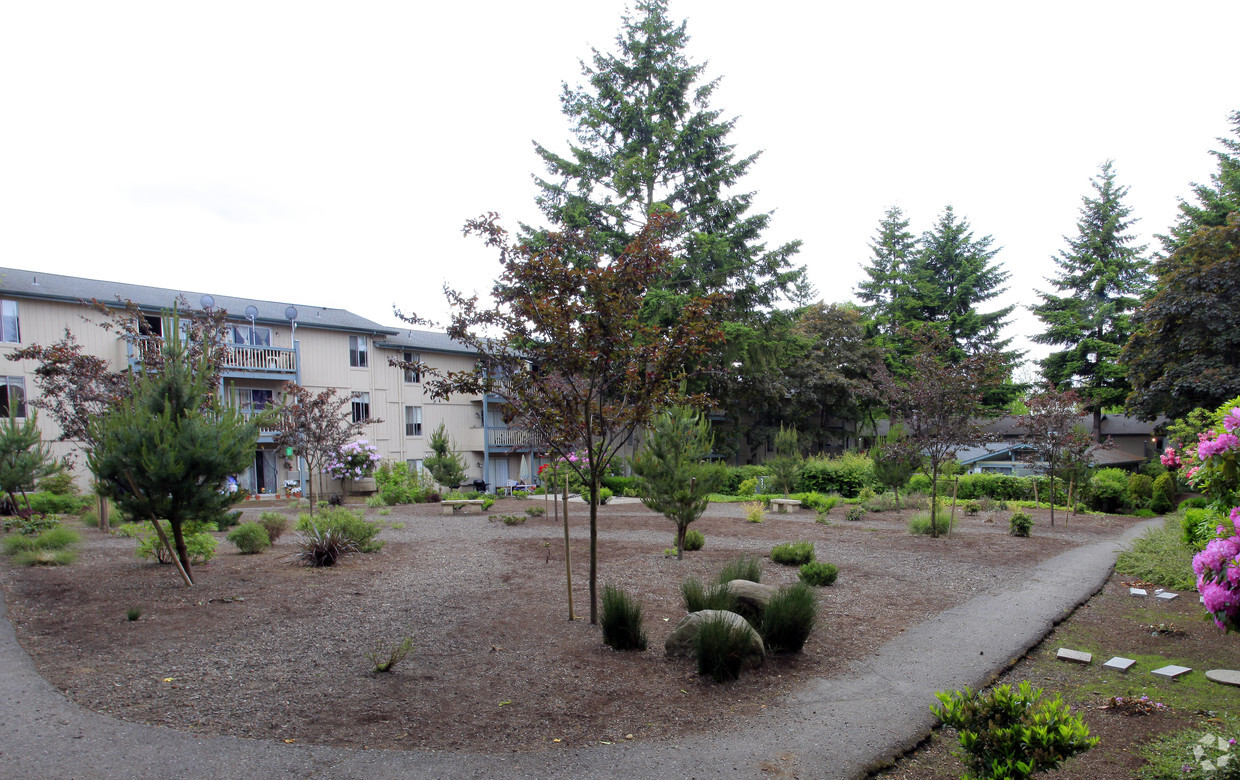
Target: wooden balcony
x,y
239,359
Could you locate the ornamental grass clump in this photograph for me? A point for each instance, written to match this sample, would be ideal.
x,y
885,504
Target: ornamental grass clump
x,y
385,656
53,547
621,620
789,618
720,648
698,597
351,525
322,547
250,538
754,511
1009,734
819,573
920,523
745,567
793,553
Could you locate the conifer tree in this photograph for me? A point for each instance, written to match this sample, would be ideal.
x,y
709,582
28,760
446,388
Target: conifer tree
x,y
673,474
164,450
1215,200
1101,280
24,458
892,250
445,466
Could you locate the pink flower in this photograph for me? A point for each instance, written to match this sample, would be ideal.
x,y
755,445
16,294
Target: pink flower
x,y
1217,598
1232,421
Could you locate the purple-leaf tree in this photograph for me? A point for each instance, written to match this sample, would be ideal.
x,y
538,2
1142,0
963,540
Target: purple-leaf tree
x,y
563,343
317,426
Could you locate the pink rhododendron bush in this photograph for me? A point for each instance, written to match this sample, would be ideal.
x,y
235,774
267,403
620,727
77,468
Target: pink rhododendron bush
x,y
1218,566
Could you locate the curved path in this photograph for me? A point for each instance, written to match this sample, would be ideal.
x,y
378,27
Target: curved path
x,y
832,728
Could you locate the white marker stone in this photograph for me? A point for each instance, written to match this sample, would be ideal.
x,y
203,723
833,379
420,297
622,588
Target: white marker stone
x,y
1167,595
1119,664
1075,656
1137,592
1171,671
1224,676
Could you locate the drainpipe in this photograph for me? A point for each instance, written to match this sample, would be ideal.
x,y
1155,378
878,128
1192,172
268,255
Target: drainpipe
x,y
301,462
486,437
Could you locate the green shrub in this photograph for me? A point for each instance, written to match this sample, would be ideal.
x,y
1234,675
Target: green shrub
x,y
884,502
1008,734
59,483
47,503
819,573
1108,490
1165,484
847,474
793,553
748,487
855,513
698,597
694,539
398,484
130,530
200,545
30,524
1160,504
250,538
972,507
620,486
323,547
375,502
45,557
1140,489
818,502
720,649
1160,556
737,475
743,568
1199,527
510,519
58,538
535,511
352,525
133,613
789,619
385,656
1144,513
1196,502
754,512
274,523
920,523
621,620
604,495
1021,524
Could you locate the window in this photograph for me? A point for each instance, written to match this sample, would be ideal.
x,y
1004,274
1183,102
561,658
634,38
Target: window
x,y
415,465
10,327
12,396
412,375
361,407
244,334
357,352
413,421
251,399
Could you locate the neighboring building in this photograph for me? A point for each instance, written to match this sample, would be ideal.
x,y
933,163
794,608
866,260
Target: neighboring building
x,y
1134,442
316,347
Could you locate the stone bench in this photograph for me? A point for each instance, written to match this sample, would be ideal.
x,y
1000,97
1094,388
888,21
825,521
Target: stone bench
x,y
469,506
785,505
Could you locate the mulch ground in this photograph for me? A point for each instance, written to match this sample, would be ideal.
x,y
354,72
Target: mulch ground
x,y
264,648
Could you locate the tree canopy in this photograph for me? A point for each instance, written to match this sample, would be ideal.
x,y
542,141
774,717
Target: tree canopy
x,y
1101,280
1211,202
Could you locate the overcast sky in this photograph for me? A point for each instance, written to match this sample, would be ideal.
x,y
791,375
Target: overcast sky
x,y
328,154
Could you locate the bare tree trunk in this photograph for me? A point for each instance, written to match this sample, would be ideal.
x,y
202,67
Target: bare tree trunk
x,y
952,520
176,558
593,549
1071,496
568,563
103,514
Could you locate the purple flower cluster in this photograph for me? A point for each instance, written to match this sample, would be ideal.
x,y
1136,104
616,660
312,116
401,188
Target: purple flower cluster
x,y
355,460
1218,575
1208,446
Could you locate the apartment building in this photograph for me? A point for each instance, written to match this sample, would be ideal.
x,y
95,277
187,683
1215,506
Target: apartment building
x,y
270,343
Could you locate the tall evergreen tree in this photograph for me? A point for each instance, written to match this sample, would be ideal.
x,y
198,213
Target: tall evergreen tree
x,y
949,276
1101,280
646,139
1215,200
892,251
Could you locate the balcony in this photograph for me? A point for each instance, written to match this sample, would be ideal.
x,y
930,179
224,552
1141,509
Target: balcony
x,y
256,362
508,438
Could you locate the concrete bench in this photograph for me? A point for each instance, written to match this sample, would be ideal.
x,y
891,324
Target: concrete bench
x,y
469,506
784,506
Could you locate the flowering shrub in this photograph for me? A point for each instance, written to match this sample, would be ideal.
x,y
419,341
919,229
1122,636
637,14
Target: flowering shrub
x,y
356,460
1171,459
1218,566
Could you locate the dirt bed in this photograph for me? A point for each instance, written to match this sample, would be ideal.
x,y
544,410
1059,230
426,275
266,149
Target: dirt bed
x,y
264,648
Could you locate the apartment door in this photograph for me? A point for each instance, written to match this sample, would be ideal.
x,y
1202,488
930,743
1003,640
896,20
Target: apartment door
x,y
260,476
499,474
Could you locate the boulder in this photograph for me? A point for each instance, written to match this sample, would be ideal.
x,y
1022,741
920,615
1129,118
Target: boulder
x,y
751,597
683,640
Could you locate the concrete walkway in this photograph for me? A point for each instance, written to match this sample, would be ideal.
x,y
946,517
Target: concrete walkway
x,y
833,728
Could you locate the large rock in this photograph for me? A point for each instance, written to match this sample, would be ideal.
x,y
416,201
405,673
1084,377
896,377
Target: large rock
x,y
683,641
752,597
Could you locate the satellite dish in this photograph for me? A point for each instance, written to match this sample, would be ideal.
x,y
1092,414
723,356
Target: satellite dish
x,y
290,314
251,312
206,302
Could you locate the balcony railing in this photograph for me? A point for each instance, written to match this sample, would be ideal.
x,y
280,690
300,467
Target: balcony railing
x,y
237,357
508,437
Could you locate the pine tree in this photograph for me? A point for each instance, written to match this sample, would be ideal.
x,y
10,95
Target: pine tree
x,y
673,474
1214,201
445,466
1102,279
951,274
648,139
162,453
893,249
24,458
